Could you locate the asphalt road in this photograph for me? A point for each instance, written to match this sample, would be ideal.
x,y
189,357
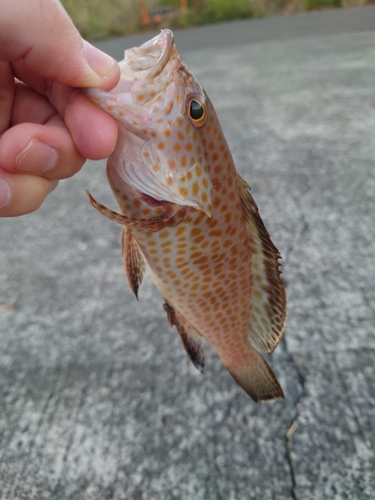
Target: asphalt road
x,y
97,397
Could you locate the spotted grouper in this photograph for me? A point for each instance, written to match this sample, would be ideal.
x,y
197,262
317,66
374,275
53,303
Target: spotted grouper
x,y
186,212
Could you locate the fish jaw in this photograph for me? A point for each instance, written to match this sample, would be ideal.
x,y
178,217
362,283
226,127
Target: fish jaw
x,y
159,150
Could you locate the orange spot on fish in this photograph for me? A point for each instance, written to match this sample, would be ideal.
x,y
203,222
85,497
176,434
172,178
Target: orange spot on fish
x,y
188,146
180,135
183,161
198,170
183,192
195,189
180,230
176,148
215,232
212,223
161,145
204,197
140,97
171,163
180,121
198,239
167,132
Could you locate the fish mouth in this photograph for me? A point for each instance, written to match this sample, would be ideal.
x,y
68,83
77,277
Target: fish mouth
x,y
165,42
145,70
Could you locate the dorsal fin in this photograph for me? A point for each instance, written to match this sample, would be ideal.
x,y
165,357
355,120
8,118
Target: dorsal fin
x,y
190,337
268,304
134,262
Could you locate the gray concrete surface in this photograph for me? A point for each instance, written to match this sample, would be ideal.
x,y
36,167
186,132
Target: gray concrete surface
x,y
97,397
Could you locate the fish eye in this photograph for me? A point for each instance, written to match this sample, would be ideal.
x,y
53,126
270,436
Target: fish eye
x,y
197,113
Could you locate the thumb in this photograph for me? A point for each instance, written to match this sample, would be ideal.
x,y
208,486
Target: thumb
x,y
44,37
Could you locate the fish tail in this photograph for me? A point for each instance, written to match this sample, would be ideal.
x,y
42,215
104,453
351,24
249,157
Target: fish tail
x,y
255,377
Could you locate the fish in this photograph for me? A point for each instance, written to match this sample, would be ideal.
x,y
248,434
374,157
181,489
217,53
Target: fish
x,y
189,218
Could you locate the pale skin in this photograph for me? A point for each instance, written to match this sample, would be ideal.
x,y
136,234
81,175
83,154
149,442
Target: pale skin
x,y
48,128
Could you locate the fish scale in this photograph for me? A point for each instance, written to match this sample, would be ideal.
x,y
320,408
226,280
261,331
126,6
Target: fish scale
x,y
187,213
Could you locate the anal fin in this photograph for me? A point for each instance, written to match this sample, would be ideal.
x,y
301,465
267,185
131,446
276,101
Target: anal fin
x,y
190,337
134,262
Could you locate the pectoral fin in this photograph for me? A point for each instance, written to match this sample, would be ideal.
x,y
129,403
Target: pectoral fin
x,y
268,311
152,224
190,337
134,262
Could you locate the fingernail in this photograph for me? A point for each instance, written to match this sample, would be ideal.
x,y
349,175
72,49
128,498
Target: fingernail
x,y
4,193
36,157
101,63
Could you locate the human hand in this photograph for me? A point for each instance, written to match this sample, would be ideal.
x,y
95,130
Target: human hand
x,y
47,126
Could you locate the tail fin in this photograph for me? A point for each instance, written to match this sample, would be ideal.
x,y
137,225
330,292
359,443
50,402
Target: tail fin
x,y
256,378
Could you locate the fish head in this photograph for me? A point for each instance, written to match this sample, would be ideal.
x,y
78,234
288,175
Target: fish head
x,y
162,110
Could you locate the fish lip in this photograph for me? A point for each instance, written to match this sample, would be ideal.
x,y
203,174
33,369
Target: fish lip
x,y
165,39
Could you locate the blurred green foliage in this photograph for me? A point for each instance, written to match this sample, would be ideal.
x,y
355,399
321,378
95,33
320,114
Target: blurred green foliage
x,y
104,18
214,11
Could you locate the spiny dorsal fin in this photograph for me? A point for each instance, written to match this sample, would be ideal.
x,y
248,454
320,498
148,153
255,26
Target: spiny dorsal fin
x,y
190,337
268,305
134,262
